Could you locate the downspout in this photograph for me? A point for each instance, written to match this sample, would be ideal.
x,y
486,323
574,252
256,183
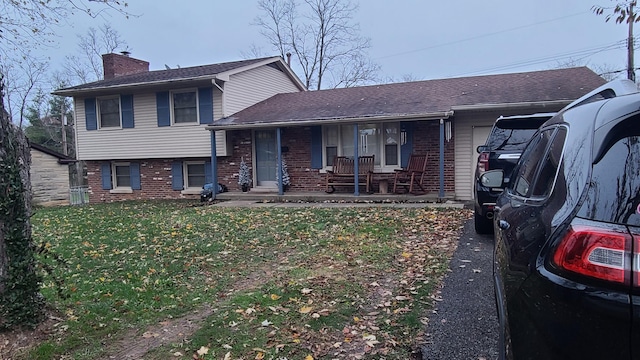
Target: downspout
x,y
356,166
279,160
214,164
441,160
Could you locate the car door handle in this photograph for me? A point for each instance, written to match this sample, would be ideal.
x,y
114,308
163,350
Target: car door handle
x,y
504,225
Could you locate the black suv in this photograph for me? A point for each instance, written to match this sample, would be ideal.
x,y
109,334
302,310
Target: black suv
x,y
567,237
502,150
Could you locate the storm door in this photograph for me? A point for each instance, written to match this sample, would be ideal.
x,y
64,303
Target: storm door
x,y
265,146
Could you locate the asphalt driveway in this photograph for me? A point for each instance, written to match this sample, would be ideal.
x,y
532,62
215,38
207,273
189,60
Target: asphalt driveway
x,y
464,324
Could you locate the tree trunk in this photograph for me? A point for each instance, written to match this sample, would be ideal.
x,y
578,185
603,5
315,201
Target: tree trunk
x,y
20,301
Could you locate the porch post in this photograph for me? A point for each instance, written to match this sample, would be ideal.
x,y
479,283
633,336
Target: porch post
x,y
441,192
214,164
279,160
356,166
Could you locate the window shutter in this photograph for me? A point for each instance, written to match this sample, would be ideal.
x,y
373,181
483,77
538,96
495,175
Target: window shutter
x,y
207,172
316,147
205,103
91,118
407,148
106,176
126,108
134,172
163,108
177,181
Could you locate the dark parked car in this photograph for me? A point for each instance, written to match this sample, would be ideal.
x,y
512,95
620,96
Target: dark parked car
x,y
567,237
506,141
508,137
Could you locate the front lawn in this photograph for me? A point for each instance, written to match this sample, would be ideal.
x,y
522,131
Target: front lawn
x,y
171,280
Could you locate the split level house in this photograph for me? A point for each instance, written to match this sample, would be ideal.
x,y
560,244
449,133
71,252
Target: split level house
x,y
163,134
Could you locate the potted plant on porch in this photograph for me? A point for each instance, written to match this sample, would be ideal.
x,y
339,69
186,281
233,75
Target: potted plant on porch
x,y
244,177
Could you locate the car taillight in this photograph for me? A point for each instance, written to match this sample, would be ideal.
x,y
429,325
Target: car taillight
x,y
483,162
594,252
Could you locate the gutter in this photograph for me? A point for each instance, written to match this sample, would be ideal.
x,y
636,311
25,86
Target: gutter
x,y
77,92
330,121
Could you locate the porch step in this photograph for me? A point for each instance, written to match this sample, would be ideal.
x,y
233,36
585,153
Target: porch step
x,y
263,190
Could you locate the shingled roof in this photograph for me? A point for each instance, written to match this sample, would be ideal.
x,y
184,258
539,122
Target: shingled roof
x,y
418,100
202,72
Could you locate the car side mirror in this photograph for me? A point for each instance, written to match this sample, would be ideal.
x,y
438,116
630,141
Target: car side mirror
x,y
492,179
481,148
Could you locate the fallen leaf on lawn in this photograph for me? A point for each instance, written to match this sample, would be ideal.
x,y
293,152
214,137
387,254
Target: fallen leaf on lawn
x,y
250,311
259,356
275,297
401,298
227,356
306,291
305,309
203,350
178,354
406,255
315,315
266,323
308,357
227,346
149,334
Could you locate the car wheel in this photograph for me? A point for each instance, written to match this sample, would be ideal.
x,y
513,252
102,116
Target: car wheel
x,y
482,224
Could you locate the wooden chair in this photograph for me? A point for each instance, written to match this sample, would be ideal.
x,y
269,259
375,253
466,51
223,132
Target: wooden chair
x,y
343,173
412,175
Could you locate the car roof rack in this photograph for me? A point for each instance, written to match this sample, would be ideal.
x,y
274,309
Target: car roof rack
x,y
609,90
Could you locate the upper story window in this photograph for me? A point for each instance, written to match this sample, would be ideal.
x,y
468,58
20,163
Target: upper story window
x,y
185,106
109,112
382,140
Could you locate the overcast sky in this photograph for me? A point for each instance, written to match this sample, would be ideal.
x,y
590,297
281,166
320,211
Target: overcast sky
x,y
419,38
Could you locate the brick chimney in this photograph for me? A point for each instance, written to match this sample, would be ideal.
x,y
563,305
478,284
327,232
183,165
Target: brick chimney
x,y
115,65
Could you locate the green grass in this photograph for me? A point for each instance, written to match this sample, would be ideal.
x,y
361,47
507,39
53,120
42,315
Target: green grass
x,y
282,283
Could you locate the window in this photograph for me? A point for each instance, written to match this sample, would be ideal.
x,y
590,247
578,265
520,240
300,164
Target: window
x,y
195,175
121,175
381,140
109,112
185,107
535,156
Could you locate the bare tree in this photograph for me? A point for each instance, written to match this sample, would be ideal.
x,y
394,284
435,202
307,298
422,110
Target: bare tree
x,y
324,40
25,24
87,66
23,77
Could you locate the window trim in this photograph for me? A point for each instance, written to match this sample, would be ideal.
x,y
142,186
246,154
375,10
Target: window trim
x,y
172,107
99,113
191,190
381,145
115,189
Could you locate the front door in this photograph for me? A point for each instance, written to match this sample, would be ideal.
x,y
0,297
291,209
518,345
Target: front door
x,y
265,144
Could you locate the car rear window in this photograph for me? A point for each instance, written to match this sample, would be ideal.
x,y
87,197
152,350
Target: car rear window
x,y
513,134
614,190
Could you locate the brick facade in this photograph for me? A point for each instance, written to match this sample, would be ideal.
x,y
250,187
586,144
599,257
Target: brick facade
x,y
156,177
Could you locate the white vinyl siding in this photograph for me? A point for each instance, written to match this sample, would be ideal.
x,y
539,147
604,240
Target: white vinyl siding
x,y
250,87
146,140
465,154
